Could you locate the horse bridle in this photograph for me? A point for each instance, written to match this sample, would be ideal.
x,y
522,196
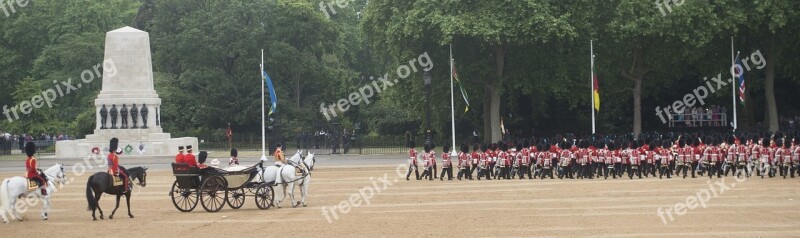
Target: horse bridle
x,y
60,178
140,183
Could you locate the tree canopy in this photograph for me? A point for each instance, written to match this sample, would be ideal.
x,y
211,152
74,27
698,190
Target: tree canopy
x,y
525,63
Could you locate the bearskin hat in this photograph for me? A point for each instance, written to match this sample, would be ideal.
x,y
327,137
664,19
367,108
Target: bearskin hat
x,y
30,149
779,142
446,148
234,152
113,144
411,144
201,158
475,147
484,148
464,148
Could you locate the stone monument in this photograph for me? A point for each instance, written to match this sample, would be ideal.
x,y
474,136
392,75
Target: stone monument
x,y
127,79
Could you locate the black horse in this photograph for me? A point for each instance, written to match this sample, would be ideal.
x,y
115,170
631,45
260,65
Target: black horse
x,y
100,183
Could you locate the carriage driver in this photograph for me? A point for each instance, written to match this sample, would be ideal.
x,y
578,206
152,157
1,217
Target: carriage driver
x,y
113,163
280,160
32,169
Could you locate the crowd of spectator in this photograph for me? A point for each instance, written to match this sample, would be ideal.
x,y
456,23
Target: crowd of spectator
x,y
713,116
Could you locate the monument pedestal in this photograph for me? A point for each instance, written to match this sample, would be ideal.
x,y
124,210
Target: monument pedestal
x,y
127,102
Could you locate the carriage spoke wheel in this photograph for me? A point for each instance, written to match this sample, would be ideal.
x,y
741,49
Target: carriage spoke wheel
x,y
212,194
235,198
185,200
264,196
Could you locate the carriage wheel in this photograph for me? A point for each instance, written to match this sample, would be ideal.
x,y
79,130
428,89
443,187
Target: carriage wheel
x,y
213,194
235,198
264,196
185,200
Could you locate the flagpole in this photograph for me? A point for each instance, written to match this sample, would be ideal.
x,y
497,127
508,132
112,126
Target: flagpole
x,y
733,86
591,83
452,105
263,130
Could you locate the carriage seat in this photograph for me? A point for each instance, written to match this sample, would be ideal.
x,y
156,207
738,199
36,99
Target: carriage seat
x,y
183,169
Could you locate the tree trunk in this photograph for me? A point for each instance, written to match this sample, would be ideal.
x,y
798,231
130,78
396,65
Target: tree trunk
x,y
494,90
487,107
497,134
637,107
297,93
769,91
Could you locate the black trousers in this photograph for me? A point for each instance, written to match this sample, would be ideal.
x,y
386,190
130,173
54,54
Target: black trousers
x,y
465,172
416,171
610,169
547,172
472,169
448,171
524,169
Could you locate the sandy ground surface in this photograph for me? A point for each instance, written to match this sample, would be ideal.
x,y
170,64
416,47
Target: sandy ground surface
x,y
394,207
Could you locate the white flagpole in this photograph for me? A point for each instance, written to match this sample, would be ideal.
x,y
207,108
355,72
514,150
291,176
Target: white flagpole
x,y
263,130
452,105
733,86
591,81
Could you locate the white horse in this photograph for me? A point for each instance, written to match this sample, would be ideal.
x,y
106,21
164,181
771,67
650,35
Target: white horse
x,y
285,177
17,187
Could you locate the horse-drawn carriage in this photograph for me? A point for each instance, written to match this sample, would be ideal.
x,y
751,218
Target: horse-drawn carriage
x,y
213,187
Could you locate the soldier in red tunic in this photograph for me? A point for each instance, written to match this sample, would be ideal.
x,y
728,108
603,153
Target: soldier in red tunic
x,y
113,163
179,156
447,164
766,153
665,159
32,169
464,160
779,155
525,159
483,163
190,159
412,161
634,166
432,159
795,156
427,157
475,158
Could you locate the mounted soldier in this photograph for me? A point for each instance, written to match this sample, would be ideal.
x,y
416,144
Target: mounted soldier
x,y
113,163
33,173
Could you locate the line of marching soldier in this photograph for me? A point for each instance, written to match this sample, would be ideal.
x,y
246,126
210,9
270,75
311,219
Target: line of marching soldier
x,y
652,155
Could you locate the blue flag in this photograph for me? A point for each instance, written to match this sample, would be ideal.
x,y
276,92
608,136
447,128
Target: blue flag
x,y
272,97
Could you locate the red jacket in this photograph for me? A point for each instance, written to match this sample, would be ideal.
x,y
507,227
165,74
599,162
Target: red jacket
x,y
113,163
412,156
190,159
30,167
179,158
